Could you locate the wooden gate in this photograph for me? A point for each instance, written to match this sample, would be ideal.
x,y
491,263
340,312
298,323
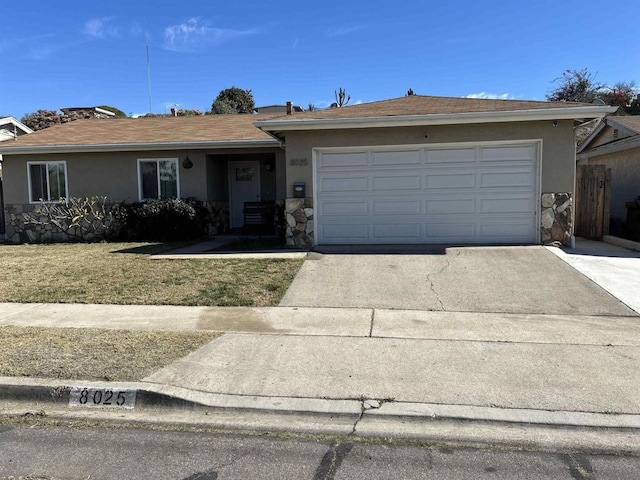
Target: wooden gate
x,y
593,201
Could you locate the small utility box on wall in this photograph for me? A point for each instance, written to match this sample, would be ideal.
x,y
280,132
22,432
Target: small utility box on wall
x,y
299,190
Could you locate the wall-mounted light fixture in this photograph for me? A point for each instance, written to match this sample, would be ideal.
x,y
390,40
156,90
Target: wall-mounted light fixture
x,y
187,163
555,123
269,164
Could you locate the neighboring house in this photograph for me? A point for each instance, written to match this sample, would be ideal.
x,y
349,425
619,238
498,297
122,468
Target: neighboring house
x,y
615,143
415,169
10,129
279,108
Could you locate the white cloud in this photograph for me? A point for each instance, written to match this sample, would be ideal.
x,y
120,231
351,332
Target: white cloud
x,y
340,31
100,28
493,96
195,35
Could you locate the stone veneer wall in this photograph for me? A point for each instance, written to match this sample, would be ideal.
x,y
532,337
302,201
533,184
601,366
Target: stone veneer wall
x,y
556,219
20,230
25,225
299,222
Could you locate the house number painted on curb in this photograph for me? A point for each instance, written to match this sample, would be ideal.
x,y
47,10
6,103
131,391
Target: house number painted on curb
x,y
102,397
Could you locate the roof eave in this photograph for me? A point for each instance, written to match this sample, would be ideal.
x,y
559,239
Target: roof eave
x,y
613,147
137,147
568,113
18,124
587,141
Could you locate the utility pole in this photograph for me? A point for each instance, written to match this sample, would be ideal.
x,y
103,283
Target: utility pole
x,y
149,80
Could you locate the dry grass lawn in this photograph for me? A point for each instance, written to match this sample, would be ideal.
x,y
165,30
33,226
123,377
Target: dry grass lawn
x,y
91,353
124,273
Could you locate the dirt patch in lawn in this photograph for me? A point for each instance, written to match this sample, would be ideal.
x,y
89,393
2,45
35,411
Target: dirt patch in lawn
x,y
91,353
125,273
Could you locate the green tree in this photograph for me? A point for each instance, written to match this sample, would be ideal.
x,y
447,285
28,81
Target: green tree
x,y
41,119
233,100
634,108
186,112
581,86
620,95
575,86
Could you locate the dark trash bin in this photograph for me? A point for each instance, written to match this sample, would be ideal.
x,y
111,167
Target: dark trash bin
x,y
633,219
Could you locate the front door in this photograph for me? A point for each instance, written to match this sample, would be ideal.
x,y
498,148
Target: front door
x,y
244,186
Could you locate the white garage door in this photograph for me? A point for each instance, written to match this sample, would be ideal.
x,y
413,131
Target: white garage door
x,y
463,194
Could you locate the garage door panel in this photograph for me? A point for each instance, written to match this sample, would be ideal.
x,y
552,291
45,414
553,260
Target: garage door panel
x,y
397,231
451,230
452,155
396,182
344,207
518,231
479,194
496,179
359,159
506,205
397,207
345,232
507,153
397,158
345,184
455,180
450,206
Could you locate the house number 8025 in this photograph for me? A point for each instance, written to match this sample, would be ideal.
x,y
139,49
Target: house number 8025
x,y
102,397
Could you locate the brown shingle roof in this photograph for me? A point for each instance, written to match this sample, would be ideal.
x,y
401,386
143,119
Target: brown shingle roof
x,y
632,122
427,105
206,128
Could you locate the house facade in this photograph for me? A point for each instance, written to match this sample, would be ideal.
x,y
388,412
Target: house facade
x,y
615,143
411,170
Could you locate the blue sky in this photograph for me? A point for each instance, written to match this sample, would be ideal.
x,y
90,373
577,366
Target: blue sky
x,y
89,52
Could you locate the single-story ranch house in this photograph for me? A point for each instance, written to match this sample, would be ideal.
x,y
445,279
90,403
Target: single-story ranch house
x,y
410,170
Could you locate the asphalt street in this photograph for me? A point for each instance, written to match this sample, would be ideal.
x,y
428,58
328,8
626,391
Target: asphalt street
x,y
58,452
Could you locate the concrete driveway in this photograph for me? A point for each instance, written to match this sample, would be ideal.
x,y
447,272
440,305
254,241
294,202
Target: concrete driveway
x,y
527,279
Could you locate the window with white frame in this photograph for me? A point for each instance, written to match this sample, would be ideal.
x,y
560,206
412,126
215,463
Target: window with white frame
x,y
47,181
158,178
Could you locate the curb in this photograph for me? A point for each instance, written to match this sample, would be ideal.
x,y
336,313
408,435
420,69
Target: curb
x,y
57,393
358,420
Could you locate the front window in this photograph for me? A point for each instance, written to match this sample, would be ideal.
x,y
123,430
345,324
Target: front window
x,y
158,178
47,181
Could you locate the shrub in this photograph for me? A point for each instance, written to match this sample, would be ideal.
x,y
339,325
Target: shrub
x,y
78,219
166,220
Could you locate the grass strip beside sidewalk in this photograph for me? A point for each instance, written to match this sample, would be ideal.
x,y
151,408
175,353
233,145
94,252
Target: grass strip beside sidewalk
x,y
91,353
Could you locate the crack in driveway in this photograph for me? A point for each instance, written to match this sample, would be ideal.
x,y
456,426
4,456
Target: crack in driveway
x,y
447,264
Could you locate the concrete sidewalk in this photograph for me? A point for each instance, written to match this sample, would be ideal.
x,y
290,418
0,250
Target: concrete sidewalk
x,y
368,371
615,269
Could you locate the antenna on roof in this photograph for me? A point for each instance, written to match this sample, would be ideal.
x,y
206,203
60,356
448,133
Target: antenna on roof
x,y
149,80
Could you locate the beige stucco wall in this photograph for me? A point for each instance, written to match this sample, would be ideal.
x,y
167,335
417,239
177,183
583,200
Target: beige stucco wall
x,y
625,178
558,151
115,175
606,135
